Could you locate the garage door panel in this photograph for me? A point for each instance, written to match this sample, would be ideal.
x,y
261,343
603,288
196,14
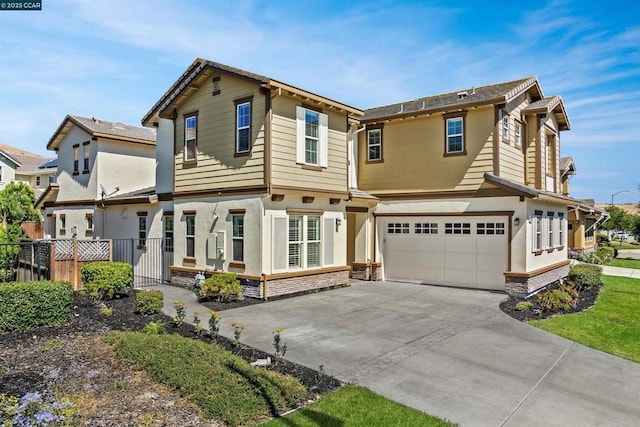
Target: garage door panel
x,y
418,249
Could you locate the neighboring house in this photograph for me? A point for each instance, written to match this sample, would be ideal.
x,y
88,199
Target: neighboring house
x,y
22,166
584,217
105,173
469,186
257,171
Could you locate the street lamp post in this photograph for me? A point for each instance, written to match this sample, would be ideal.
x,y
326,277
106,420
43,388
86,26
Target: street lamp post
x,y
614,194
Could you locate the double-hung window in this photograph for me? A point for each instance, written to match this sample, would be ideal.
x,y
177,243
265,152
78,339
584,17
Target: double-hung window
x,y
238,237
38,181
505,127
85,153
190,234
304,246
374,145
190,137
550,230
312,137
518,133
168,232
76,154
142,229
561,226
243,126
537,231
454,135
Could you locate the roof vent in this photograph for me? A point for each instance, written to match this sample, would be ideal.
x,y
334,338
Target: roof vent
x,y
463,94
119,126
401,108
95,120
473,90
424,104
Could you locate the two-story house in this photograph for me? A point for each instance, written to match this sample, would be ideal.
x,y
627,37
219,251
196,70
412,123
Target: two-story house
x,y
469,188
22,166
257,171
584,217
105,181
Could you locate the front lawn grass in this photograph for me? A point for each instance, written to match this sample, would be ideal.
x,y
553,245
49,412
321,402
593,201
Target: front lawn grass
x,y
223,385
611,325
356,406
625,263
623,244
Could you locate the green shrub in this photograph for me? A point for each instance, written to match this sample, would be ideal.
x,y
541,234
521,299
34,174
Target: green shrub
x,y
555,299
602,238
524,306
28,305
585,276
153,328
606,254
223,287
149,302
103,279
225,386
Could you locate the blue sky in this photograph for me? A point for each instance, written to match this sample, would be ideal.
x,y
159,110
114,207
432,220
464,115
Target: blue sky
x,y
113,59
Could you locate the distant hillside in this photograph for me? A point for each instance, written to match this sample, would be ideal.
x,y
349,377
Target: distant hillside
x,y
631,208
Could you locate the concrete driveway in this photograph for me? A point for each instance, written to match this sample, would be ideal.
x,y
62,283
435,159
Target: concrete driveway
x,y
448,352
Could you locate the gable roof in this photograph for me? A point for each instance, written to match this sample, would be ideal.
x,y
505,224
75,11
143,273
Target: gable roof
x,y
101,128
526,191
552,104
474,96
567,166
25,161
200,70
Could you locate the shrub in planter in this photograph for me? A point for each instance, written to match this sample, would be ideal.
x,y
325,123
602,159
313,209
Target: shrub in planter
x,y
606,251
28,305
555,299
103,279
524,306
149,302
223,287
585,276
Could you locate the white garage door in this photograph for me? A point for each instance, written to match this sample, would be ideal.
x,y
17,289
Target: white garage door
x,y
465,251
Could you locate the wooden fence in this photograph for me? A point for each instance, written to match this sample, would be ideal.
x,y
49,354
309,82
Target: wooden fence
x,y
68,256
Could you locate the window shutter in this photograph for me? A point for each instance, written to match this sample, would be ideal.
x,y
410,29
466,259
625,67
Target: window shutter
x,y
300,129
324,141
328,241
280,244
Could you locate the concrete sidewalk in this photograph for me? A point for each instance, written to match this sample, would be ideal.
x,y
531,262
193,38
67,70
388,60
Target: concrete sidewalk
x,y
620,271
448,352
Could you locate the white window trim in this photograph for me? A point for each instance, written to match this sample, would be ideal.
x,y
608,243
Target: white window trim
x,y
537,222
235,238
371,132
239,128
505,126
518,133
304,242
323,139
194,139
453,135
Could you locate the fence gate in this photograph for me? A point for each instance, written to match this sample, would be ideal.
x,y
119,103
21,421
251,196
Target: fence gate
x,y
150,259
69,255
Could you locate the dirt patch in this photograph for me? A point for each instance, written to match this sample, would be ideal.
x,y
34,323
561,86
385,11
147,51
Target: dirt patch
x,y
73,360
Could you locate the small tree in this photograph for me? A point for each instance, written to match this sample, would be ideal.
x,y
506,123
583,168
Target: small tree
x,y
16,206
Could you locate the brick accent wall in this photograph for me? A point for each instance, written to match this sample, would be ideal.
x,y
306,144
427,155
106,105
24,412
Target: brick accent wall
x,y
524,286
306,283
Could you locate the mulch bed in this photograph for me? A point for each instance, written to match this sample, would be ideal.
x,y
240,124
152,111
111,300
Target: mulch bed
x,y
586,299
76,359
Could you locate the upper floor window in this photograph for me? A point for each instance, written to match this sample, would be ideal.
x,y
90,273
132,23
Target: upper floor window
x,y
374,145
454,135
190,137
63,222
518,133
243,127
1,174
38,182
76,154
312,137
505,127
85,149
52,179
89,219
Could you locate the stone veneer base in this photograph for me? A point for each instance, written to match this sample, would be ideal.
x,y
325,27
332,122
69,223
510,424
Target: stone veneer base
x,y
275,287
524,286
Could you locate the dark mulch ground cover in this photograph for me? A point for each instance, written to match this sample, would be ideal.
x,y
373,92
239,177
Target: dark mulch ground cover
x,y
75,357
586,299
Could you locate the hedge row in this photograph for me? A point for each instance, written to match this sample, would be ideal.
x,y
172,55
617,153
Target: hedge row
x,y
28,305
103,279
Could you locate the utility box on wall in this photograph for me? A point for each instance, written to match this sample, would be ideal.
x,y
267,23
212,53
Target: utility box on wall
x,y
215,245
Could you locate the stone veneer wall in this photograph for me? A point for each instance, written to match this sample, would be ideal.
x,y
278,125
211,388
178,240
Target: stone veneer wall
x,y
524,286
365,271
276,287
293,285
